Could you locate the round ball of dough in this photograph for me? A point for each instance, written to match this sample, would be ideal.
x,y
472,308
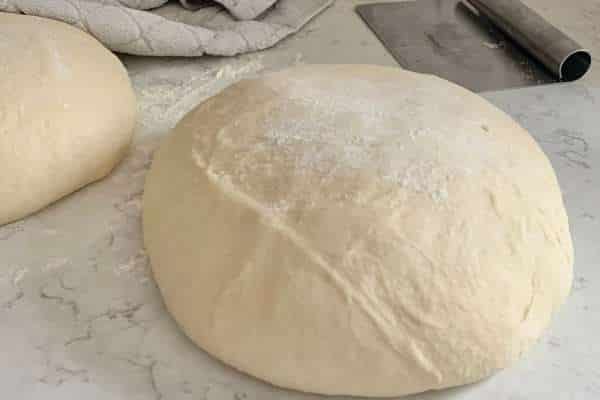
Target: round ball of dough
x,y
357,230
67,112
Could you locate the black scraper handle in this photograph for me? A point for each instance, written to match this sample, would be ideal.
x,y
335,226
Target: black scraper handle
x,y
557,51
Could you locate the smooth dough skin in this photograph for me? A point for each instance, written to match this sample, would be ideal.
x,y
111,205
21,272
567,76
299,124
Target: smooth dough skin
x,y
67,112
357,230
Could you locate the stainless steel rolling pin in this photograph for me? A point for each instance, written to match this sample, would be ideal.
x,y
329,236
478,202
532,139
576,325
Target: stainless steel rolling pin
x,y
553,48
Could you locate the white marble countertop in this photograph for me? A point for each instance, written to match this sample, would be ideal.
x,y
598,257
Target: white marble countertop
x,y
81,318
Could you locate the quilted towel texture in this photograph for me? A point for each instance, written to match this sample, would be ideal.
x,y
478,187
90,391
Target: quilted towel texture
x,y
186,28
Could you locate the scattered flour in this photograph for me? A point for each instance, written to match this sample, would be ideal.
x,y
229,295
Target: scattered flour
x,y
165,99
343,131
56,263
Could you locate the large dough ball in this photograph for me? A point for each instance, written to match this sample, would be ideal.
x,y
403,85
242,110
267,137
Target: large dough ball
x,y
67,112
357,230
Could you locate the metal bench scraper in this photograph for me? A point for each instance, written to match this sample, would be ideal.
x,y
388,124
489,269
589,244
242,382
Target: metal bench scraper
x,y
480,44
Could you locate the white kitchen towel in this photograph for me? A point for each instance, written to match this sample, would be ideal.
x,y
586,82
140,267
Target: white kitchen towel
x,y
186,28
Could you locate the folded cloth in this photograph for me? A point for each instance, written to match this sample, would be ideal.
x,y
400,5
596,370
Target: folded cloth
x,y
188,28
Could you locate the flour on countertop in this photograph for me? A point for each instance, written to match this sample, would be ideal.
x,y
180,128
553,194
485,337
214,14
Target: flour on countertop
x,y
163,100
56,263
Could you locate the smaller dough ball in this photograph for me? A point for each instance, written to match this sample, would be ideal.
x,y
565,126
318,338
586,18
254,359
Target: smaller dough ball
x,y
67,112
